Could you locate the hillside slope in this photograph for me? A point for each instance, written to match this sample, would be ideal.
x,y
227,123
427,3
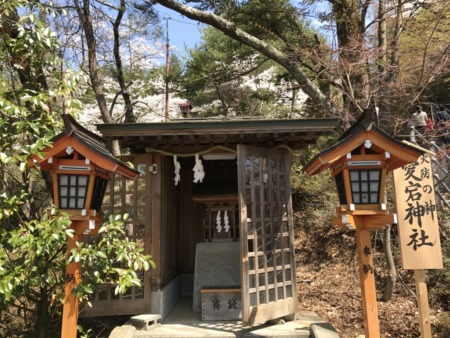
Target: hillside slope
x,y
328,284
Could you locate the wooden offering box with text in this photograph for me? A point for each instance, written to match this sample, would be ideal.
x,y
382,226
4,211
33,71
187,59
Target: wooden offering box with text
x,y
221,304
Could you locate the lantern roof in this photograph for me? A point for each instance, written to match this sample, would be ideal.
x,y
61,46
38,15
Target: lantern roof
x,y
87,144
186,104
365,133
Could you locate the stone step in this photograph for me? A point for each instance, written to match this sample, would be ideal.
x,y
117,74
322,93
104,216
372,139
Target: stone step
x,y
323,330
217,331
307,324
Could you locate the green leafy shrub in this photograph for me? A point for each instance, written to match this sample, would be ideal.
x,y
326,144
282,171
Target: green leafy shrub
x,y
314,198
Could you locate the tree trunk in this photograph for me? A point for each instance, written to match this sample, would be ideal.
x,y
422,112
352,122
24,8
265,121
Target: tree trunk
x,y
294,100
29,70
129,116
350,29
391,277
382,97
391,271
96,82
394,62
382,59
42,315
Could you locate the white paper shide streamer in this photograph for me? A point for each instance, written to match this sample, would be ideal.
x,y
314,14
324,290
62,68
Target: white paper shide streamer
x,y
177,166
199,173
218,226
226,222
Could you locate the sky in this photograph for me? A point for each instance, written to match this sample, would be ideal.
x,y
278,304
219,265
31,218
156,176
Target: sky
x,y
182,30
185,32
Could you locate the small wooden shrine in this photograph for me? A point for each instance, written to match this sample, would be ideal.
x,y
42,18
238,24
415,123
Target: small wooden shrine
x,y
213,206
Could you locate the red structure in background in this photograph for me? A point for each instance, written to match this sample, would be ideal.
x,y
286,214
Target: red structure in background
x,y
185,108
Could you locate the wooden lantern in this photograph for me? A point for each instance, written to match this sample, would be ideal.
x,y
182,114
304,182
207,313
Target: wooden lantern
x,y
80,168
359,163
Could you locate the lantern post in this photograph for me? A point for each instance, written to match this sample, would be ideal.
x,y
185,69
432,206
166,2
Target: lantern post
x,y
359,163
80,168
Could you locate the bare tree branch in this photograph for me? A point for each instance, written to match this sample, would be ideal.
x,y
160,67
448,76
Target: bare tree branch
x,y
229,29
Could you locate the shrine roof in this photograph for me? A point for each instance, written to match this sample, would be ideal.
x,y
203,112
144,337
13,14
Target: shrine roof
x,y
191,135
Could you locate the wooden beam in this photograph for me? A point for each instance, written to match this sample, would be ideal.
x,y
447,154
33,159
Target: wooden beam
x,y
364,222
422,300
147,160
72,279
156,221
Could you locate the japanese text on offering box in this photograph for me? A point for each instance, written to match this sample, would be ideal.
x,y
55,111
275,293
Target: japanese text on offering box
x,y
418,226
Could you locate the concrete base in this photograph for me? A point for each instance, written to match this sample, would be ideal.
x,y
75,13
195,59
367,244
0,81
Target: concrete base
x,y
164,300
216,265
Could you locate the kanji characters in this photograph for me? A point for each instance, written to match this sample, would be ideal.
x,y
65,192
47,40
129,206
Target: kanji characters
x,y
417,240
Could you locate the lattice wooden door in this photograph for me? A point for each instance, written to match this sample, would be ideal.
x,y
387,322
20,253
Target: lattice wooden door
x,y
131,197
266,233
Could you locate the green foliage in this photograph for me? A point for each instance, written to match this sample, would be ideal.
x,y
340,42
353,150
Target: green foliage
x,y
157,74
214,62
30,258
33,243
439,90
279,22
314,197
84,333
110,258
423,54
216,73
219,70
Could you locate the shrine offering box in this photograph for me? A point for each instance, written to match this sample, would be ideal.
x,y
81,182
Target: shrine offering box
x,y
221,304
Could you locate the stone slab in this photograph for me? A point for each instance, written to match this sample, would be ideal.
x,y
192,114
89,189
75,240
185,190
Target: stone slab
x,y
124,331
291,329
323,330
225,329
217,265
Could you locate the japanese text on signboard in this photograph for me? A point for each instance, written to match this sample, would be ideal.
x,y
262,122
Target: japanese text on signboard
x,y
417,215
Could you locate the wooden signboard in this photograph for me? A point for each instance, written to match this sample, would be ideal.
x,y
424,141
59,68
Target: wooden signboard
x,y
417,216
221,304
